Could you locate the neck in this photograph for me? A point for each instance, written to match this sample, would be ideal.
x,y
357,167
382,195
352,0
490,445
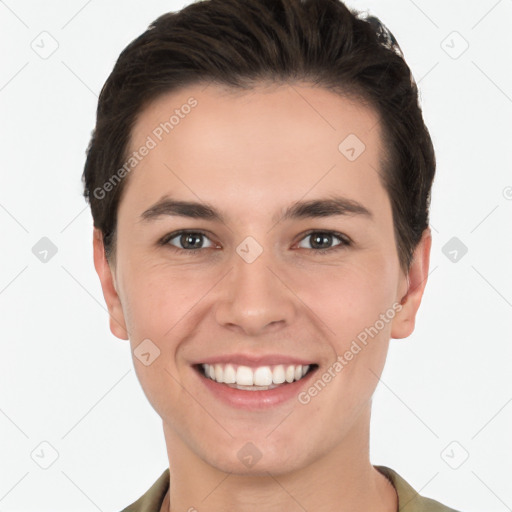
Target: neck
x,y
341,480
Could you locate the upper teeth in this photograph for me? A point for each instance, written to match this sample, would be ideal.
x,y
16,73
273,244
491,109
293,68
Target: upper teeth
x,y
260,376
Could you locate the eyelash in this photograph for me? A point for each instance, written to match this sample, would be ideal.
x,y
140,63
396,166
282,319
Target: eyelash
x,y
344,239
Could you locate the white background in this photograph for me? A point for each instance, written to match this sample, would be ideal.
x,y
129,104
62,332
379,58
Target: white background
x,y
65,379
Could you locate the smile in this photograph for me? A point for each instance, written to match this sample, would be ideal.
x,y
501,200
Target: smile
x,y
254,379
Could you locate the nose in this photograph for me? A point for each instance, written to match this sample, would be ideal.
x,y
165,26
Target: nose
x,y
255,297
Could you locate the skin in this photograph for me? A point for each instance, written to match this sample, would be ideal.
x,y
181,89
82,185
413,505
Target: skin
x,y
251,155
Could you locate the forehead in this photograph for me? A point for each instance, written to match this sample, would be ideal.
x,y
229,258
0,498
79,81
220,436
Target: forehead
x,y
252,146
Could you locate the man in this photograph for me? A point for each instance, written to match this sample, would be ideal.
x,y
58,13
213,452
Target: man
x,y
259,179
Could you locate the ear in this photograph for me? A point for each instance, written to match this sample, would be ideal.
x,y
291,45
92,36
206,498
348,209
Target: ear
x,y
115,310
404,320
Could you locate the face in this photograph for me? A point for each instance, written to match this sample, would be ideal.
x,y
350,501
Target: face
x,y
288,270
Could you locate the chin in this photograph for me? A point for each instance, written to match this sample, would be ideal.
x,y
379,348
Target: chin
x,y
257,458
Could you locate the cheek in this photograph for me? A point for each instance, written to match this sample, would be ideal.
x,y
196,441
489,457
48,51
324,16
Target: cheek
x,y
158,297
356,303
159,307
357,307
350,298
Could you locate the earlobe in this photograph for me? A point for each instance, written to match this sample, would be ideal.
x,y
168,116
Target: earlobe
x,y
115,310
404,321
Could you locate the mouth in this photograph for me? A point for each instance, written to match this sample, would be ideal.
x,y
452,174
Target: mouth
x,y
254,387
259,378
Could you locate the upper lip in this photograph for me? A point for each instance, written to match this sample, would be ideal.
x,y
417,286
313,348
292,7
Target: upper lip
x,y
255,360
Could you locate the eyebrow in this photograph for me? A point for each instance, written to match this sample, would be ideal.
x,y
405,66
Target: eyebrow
x,y
314,208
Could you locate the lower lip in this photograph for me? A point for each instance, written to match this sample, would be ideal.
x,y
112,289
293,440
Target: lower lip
x,y
254,400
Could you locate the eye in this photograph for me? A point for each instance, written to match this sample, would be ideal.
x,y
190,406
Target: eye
x,y
319,239
190,241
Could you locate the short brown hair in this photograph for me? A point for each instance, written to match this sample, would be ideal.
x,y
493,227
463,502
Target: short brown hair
x,y
241,43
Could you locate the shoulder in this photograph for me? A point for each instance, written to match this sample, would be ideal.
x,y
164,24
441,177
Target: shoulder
x,y
409,500
151,500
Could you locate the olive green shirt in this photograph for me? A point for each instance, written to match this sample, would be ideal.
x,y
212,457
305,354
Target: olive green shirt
x,y
408,499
